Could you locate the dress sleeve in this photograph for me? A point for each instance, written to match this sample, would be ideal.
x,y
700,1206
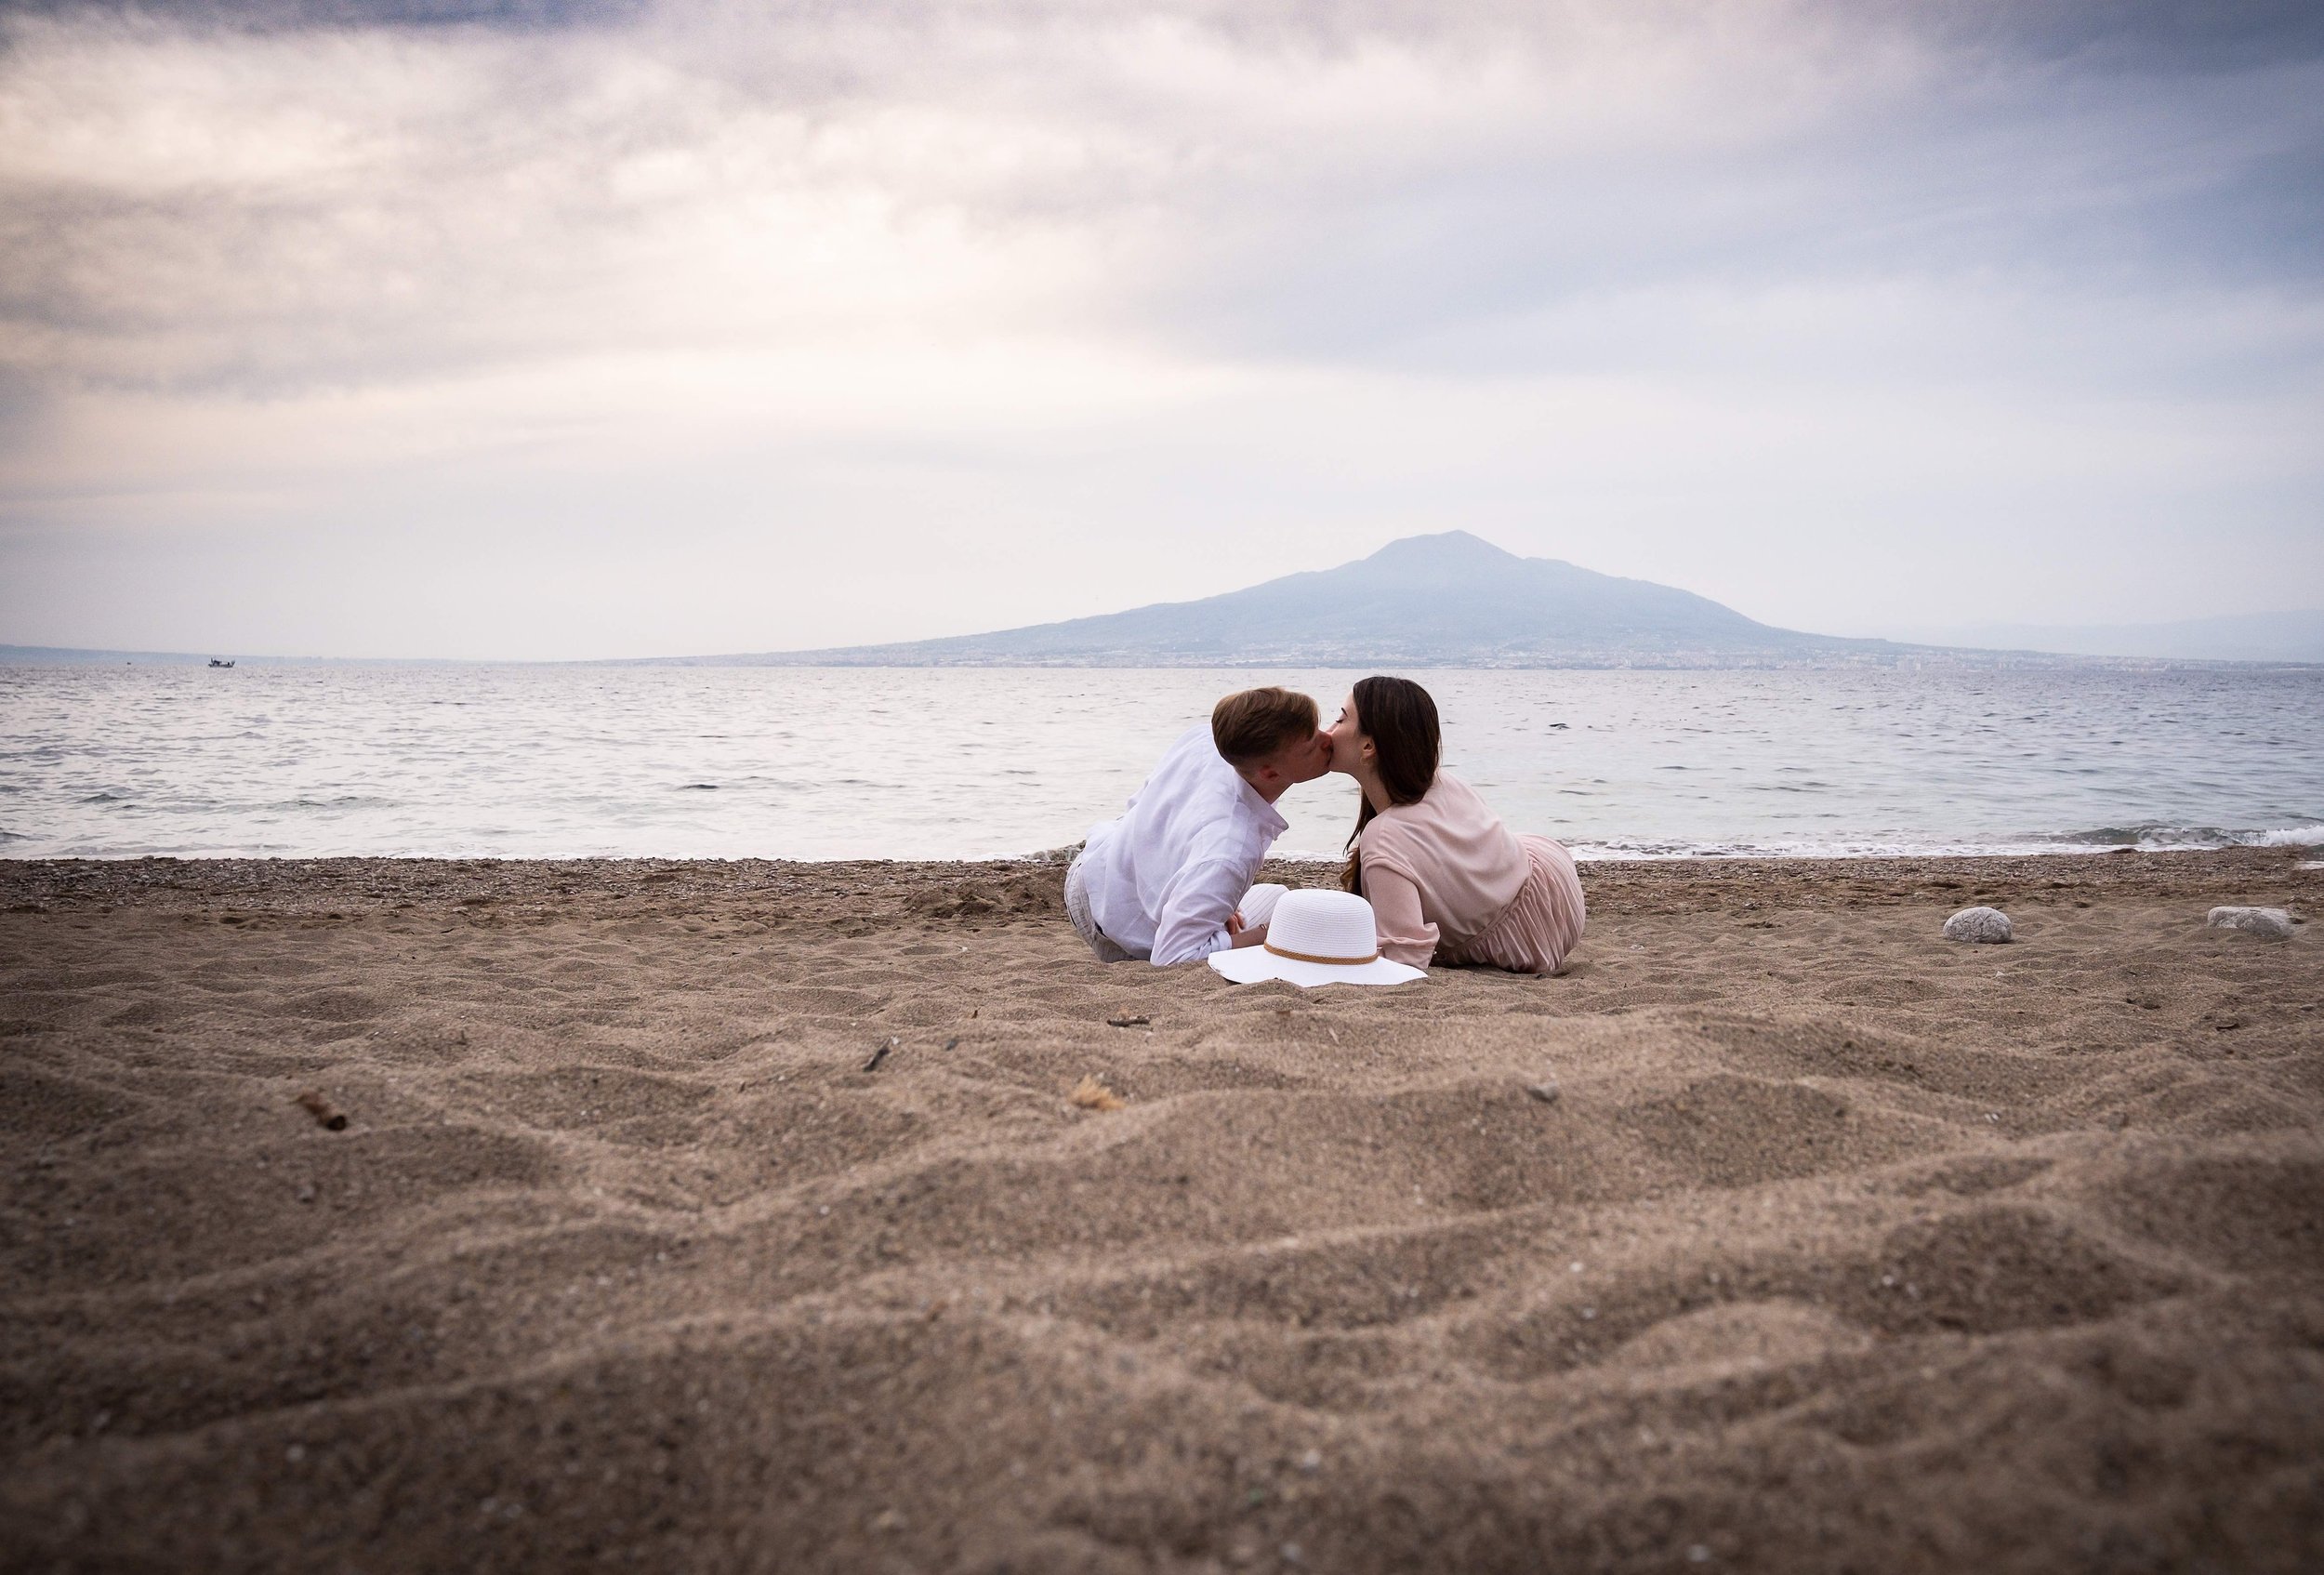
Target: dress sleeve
x,y
1405,936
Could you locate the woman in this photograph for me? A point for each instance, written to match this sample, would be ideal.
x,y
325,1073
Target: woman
x,y
1447,881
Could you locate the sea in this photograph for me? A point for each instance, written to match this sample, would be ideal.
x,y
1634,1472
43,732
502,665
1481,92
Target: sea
x,y
557,760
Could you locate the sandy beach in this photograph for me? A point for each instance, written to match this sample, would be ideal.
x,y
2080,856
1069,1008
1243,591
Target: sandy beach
x,y
723,1216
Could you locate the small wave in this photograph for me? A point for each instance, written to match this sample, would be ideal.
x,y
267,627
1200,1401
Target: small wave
x,y
697,787
1624,850
2158,838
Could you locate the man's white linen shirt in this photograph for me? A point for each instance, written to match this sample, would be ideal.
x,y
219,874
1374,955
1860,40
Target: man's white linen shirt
x,y
1163,879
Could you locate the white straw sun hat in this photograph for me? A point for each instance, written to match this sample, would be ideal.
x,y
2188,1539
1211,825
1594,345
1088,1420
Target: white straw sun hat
x,y
1317,937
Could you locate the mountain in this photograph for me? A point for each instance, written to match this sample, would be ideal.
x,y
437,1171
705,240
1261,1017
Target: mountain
x,y
1447,601
2253,636
1452,600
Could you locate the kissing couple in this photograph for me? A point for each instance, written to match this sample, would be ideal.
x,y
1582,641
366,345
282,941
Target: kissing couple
x,y
1442,879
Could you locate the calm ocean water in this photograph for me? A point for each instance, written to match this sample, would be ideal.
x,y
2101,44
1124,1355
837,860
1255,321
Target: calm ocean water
x,y
533,762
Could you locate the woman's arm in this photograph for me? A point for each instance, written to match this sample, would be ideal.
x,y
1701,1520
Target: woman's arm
x,y
1405,936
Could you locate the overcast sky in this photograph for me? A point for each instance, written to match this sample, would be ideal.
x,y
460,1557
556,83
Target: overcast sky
x,y
566,330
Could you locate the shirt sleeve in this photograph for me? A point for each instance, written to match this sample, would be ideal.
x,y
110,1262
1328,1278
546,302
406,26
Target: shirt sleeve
x,y
1405,936
1195,907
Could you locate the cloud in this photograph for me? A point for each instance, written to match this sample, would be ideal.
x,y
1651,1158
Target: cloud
x,y
262,15
341,196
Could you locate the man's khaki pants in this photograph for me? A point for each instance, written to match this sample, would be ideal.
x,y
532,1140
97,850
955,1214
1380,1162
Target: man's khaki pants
x,y
1077,910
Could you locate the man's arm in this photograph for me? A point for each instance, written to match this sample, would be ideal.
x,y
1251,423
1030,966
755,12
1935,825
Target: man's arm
x,y
1195,907
1241,935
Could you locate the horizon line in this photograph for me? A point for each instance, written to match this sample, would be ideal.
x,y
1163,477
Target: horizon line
x,y
76,655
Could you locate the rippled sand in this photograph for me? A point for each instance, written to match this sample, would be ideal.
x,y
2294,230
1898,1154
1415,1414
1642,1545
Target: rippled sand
x,y
1838,1247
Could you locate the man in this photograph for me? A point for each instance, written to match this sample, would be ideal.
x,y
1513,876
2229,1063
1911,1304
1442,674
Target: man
x,y
1168,881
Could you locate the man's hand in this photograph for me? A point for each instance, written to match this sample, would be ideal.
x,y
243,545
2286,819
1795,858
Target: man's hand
x,y
1235,923
1248,936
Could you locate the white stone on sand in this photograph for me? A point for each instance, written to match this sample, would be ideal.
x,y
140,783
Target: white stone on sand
x,y
2269,923
1986,926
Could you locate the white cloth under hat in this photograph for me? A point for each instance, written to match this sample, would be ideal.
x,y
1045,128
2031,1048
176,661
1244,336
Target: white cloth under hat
x,y
1317,937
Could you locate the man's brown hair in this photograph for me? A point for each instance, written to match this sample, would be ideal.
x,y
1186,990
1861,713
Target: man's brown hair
x,y
1249,726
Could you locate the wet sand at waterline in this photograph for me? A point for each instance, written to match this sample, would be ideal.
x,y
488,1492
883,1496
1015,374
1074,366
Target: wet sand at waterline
x,y
1779,1234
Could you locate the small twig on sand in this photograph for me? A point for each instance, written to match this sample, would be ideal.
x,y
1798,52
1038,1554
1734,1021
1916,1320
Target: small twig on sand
x,y
881,1054
327,1116
1138,1021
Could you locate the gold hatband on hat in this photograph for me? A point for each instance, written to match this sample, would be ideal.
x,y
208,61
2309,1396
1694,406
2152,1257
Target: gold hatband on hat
x,y
1309,957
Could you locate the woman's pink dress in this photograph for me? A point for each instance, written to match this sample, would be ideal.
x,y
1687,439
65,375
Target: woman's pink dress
x,y
1449,883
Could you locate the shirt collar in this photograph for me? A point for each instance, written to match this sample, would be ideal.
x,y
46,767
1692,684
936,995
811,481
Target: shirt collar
x,y
1264,812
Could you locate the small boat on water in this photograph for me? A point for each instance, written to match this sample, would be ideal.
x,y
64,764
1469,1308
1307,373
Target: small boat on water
x,y
215,662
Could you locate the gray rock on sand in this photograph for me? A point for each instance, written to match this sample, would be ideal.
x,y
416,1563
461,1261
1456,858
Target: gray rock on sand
x,y
2268,923
1986,926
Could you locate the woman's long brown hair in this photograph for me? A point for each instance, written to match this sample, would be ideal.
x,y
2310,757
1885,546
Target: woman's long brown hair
x,y
1400,718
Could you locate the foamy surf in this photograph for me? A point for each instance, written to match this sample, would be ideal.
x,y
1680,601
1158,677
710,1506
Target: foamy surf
x,y
2147,838
2160,838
